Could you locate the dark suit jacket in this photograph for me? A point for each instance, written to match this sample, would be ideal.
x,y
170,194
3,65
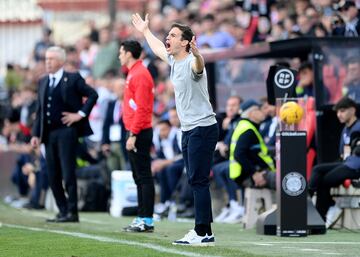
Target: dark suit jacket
x,y
73,89
109,120
340,31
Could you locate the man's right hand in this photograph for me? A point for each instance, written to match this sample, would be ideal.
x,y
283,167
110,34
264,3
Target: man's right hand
x,y
35,142
140,24
259,178
105,149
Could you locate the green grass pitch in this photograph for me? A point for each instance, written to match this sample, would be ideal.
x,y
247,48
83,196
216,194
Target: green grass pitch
x,y
25,233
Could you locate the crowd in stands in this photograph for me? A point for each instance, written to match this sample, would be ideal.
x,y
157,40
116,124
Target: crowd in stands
x,y
247,127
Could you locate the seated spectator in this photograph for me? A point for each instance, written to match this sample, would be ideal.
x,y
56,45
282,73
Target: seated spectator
x,y
250,163
232,212
305,86
227,122
114,133
352,80
38,183
96,192
351,28
41,46
29,173
327,175
168,165
212,36
13,78
106,58
268,127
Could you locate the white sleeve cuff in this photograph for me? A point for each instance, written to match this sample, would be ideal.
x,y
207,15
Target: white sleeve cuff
x,y
82,114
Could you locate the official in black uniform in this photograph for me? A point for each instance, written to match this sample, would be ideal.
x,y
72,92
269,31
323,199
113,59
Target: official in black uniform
x,y
60,119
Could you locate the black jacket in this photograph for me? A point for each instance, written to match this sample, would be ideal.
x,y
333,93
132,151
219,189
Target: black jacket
x,y
109,120
73,90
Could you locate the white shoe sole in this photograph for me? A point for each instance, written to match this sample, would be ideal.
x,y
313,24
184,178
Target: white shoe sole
x,y
197,244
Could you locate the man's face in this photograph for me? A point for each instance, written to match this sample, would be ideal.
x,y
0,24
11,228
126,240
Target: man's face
x,y
53,62
174,44
345,114
350,13
268,109
164,130
232,107
306,76
173,118
123,56
208,25
118,88
353,71
256,115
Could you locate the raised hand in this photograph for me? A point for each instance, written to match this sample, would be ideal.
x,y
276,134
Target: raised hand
x,y
193,47
140,24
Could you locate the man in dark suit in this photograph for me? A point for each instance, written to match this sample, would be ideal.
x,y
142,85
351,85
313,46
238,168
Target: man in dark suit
x,y
60,120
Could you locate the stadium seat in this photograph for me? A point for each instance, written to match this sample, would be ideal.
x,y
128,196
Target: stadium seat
x,y
348,198
256,201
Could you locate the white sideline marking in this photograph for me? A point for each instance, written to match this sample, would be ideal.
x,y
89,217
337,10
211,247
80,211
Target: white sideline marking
x,y
112,240
289,242
310,250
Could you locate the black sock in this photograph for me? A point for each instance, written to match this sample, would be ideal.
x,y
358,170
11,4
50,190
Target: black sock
x,y
202,229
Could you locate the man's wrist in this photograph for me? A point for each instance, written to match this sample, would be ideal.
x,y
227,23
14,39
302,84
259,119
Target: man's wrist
x,y
131,134
82,114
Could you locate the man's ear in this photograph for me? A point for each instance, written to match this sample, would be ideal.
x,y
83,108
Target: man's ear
x,y
185,42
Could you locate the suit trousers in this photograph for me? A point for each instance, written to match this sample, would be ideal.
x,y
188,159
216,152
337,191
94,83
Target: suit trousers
x,y
198,147
140,162
61,165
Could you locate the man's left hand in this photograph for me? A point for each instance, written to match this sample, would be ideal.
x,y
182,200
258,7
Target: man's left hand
x,y
194,49
70,117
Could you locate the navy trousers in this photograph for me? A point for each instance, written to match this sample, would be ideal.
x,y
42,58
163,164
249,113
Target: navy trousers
x,y
61,149
198,147
325,176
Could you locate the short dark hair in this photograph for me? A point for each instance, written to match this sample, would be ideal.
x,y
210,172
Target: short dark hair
x,y
305,65
133,47
352,59
344,103
209,17
187,33
165,122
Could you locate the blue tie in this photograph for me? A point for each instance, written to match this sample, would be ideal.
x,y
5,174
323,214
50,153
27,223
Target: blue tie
x,y
51,85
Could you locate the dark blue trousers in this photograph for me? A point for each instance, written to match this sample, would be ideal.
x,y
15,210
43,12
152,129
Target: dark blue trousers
x,y
223,180
198,146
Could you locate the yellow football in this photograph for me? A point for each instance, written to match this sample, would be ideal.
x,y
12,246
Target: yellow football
x,y
291,113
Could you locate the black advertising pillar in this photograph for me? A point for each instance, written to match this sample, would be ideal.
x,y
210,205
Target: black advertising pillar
x,y
291,184
294,215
